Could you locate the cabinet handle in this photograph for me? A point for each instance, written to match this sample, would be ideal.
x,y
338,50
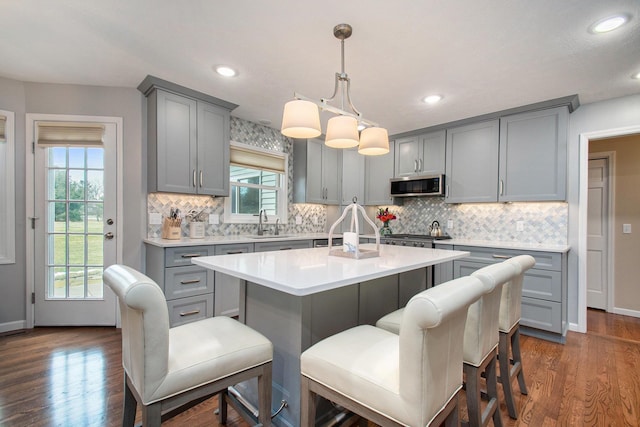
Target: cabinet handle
x,y
501,187
415,165
201,179
420,168
446,191
190,255
189,313
194,178
285,249
233,252
502,256
190,281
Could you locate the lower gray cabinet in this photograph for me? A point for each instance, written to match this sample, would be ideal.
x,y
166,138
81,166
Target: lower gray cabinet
x,y
283,245
544,288
227,288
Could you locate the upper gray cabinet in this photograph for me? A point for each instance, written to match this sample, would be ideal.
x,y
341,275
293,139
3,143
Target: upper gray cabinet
x,y
353,176
378,170
316,173
533,156
472,163
187,140
421,154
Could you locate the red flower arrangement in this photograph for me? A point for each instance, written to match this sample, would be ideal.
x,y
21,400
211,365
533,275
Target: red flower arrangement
x,y
384,215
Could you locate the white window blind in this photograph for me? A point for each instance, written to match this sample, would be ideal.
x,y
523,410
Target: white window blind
x,y
253,159
53,134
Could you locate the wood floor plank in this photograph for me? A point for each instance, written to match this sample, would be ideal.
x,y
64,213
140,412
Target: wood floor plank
x,y
73,376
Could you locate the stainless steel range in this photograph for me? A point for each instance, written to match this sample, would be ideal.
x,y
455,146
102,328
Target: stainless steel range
x,y
415,240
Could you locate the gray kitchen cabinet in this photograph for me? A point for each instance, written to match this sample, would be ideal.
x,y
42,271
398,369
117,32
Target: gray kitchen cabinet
x,y
544,290
533,156
188,288
422,154
187,140
472,163
378,170
227,288
316,173
283,245
353,176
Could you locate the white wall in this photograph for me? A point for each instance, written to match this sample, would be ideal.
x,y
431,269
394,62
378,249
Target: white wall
x,y
599,116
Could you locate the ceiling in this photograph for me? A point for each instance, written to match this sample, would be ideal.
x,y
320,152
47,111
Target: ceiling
x,y
482,56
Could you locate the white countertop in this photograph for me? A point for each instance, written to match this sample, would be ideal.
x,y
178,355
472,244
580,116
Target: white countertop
x,y
239,238
307,271
542,247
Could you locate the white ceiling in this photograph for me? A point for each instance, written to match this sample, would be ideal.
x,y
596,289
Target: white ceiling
x,y
481,55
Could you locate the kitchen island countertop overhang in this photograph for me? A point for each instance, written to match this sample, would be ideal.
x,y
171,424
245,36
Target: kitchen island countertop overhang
x,y
303,272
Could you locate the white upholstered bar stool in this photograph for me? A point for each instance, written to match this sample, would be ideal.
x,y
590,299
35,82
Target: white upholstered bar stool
x,y
480,342
509,356
168,370
410,379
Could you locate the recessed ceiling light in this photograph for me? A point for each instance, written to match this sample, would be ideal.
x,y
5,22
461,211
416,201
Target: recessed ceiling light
x,y
609,24
432,99
225,71
636,76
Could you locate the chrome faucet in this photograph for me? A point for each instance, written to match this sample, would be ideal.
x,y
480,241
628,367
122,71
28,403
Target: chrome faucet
x,y
260,229
277,228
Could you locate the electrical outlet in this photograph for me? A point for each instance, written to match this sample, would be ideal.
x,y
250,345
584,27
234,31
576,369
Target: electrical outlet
x,y
214,219
450,224
155,218
298,220
315,220
626,228
520,226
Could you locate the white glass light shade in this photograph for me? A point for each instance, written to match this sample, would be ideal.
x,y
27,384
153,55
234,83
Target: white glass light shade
x,y
374,142
342,132
301,119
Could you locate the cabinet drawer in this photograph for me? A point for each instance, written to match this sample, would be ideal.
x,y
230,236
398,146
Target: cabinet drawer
x,y
282,246
190,309
540,314
544,260
187,281
239,248
542,284
175,257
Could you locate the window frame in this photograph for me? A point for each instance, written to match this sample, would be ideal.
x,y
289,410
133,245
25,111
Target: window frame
x,y
281,192
7,192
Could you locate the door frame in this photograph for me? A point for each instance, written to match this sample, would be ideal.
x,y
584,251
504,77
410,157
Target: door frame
x,y
30,118
582,218
610,156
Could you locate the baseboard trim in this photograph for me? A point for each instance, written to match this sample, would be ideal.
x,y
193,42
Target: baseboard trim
x,y
13,326
626,312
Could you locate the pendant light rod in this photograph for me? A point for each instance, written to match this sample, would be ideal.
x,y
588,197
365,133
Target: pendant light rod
x,y
324,106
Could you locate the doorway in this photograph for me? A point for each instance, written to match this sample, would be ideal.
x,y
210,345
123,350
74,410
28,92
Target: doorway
x,y
73,191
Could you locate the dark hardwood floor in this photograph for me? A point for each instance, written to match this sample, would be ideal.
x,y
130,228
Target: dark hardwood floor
x,y
73,377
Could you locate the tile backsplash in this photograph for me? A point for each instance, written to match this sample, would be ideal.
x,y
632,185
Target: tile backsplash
x,y
542,222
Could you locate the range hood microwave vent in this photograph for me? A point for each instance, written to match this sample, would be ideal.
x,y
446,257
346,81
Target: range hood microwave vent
x,y
418,186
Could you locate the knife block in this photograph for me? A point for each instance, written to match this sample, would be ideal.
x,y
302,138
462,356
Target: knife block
x,y
171,229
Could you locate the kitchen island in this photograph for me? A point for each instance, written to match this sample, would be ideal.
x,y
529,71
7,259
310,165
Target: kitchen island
x,y
299,297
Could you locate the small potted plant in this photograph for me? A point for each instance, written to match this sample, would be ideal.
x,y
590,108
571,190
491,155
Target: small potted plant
x,y
385,216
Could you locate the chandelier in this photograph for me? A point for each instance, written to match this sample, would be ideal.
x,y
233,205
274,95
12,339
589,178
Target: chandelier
x,y
301,117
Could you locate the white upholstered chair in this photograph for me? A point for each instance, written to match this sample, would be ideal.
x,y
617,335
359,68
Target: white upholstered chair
x,y
167,369
480,342
410,379
509,346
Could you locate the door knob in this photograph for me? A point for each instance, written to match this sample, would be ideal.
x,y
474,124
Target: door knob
x,y
109,221
108,236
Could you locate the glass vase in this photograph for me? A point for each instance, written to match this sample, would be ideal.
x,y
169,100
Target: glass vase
x,y
385,230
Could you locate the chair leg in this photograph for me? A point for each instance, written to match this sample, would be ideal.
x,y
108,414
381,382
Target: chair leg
x,y
517,360
492,391
307,404
473,378
130,404
472,384
152,415
505,377
453,418
264,396
222,407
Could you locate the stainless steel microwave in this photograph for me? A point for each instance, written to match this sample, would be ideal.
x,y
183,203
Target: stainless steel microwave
x,y
431,185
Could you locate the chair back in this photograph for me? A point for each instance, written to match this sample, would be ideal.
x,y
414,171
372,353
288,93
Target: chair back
x,y
481,329
145,327
511,303
431,336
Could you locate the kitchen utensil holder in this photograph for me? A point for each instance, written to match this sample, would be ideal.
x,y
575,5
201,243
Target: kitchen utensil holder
x,y
355,227
196,230
171,229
